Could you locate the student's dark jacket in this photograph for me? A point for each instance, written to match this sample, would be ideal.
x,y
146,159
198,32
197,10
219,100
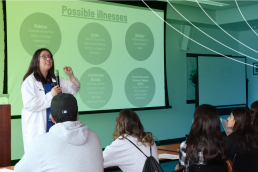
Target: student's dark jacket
x,y
235,148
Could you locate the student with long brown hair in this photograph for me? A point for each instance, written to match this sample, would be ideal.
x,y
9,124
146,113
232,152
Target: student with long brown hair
x,y
205,144
244,138
122,152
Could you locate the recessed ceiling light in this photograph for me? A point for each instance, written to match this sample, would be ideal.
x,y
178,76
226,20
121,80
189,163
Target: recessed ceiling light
x,y
207,2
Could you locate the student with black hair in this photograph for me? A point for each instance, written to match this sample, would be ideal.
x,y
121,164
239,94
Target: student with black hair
x,y
254,114
244,138
68,146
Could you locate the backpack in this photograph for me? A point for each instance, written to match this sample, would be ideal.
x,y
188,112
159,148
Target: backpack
x,y
151,164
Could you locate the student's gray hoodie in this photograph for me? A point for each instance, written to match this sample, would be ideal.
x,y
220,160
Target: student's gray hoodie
x,y
67,147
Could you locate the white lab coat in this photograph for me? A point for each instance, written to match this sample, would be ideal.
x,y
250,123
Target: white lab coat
x,y
35,103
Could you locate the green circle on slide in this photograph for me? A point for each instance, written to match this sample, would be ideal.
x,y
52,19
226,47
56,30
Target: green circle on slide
x,y
39,30
139,41
94,43
140,87
96,88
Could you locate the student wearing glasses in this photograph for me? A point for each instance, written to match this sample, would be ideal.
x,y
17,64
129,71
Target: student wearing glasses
x,y
37,92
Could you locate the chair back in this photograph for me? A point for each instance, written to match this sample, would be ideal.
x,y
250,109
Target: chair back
x,y
243,163
209,168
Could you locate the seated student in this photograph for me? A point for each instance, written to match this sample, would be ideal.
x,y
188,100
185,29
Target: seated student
x,y
254,114
243,139
122,152
68,146
228,131
204,144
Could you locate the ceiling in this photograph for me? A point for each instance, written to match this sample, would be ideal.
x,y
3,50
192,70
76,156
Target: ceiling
x,y
232,4
236,26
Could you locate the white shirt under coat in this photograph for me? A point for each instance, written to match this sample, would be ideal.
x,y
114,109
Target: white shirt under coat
x,y
126,156
35,103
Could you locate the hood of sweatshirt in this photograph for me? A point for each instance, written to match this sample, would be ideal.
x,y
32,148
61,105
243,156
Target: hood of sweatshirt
x,y
72,132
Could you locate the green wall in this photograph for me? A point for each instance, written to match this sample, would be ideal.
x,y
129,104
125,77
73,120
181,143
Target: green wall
x,y
188,11
233,15
250,39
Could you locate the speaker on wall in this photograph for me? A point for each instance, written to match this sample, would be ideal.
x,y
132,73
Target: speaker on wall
x,y
185,42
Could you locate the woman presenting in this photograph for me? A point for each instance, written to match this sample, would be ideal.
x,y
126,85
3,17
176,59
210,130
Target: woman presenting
x,y
37,93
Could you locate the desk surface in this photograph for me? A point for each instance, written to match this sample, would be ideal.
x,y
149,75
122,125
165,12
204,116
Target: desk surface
x,y
173,148
10,167
168,149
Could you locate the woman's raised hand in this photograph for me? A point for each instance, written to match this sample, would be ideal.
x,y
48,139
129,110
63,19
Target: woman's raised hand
x,y
68,71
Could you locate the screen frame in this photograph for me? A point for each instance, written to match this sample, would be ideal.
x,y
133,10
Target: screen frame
x,y
222,106
158,5
5,85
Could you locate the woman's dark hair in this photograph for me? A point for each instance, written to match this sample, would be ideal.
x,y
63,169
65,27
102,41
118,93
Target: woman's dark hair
x,y
254,114
34,67
64,117
128,123
244,128
205,136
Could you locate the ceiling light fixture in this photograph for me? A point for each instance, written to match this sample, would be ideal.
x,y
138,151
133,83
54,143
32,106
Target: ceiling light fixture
x,y
207,2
